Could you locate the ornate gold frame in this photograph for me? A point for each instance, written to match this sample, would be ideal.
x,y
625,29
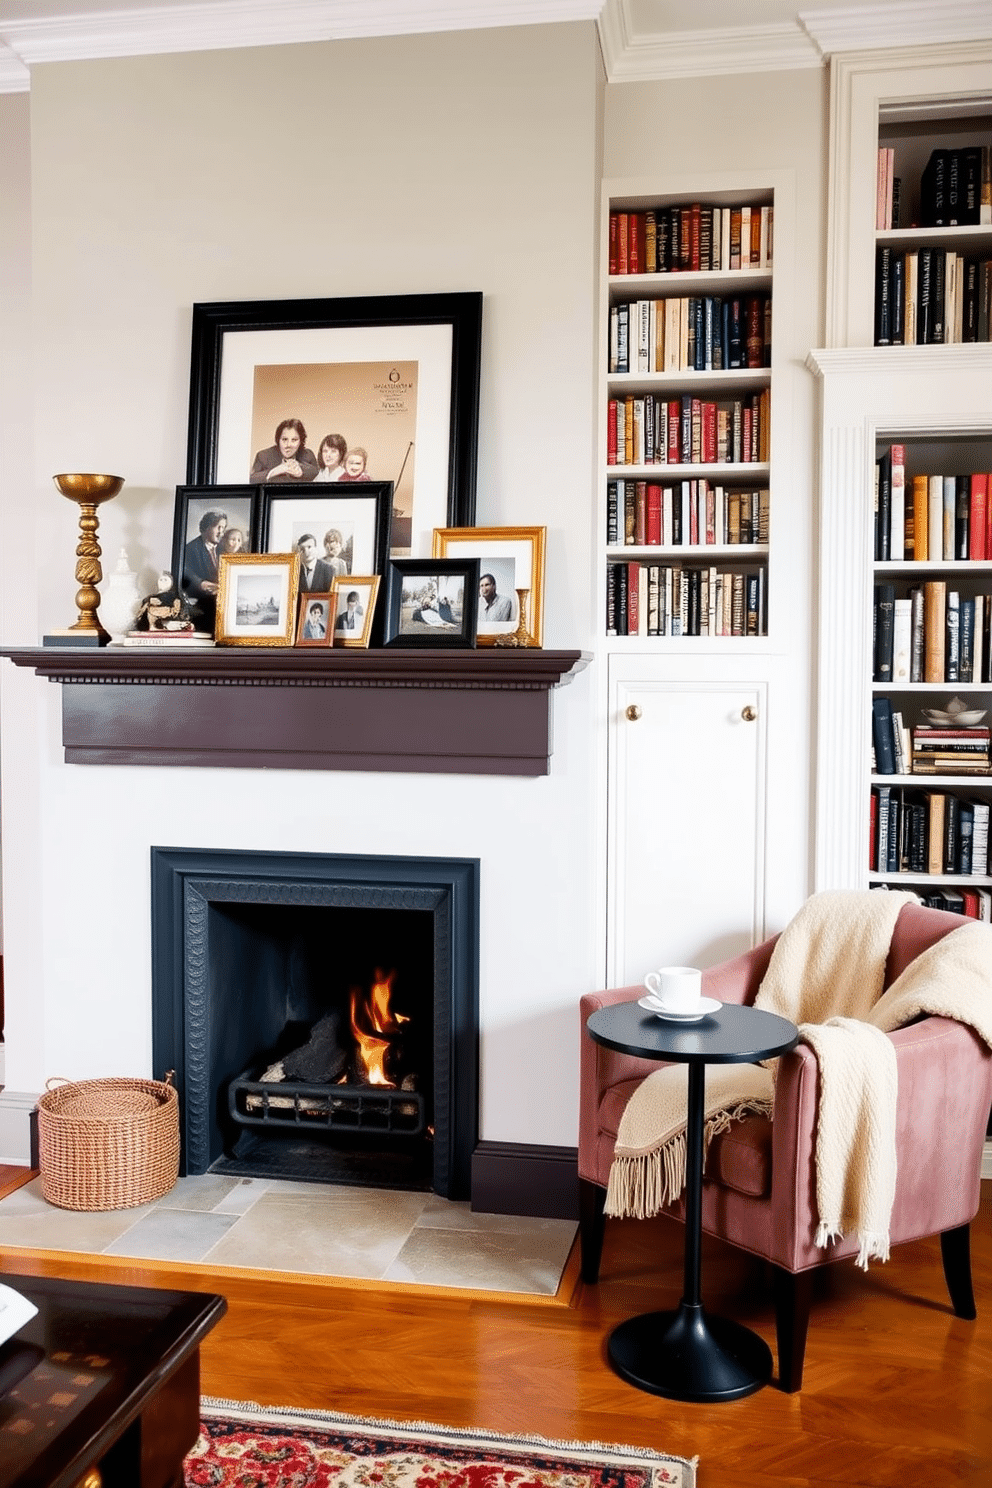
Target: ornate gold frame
x,y
338,588
228,633
527,629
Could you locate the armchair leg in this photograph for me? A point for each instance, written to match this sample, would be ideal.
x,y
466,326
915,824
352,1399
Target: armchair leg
x,y
793,1294
955,1251
592,1227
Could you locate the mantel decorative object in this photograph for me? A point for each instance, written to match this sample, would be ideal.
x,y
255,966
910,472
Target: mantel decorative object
x,y
521,636
89,492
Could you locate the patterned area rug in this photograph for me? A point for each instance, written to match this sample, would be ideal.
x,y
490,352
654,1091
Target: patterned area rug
x,y
247,1445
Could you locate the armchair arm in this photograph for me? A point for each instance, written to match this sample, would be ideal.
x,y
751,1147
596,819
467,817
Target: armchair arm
x,y
945,1089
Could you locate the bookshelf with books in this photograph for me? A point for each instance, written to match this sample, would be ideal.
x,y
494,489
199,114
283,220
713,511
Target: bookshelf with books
x,y
931,769
686,415
933,225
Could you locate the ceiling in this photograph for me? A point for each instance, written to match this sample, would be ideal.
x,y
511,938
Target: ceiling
x,y
640,38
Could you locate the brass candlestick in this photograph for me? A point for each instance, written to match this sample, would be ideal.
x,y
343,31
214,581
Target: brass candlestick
x,y
89,492
521,636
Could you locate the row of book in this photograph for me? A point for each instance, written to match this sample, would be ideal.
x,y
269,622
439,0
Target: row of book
x,y
931,634
655,599
652,430
925,749
931,297
955,189
691,513
963,901
931,832
690,238
691,333
929,518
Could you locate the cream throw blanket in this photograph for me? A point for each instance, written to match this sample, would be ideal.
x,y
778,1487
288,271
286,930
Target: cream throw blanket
x,y
825,974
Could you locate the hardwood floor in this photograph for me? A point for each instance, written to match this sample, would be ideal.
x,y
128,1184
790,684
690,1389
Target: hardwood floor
x,y
897,1390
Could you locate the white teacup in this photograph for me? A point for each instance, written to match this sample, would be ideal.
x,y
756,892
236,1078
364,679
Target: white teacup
x,y
678,988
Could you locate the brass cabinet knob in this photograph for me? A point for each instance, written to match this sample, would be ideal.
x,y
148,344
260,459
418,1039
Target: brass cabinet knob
x,y
749,714
633,712
91,1479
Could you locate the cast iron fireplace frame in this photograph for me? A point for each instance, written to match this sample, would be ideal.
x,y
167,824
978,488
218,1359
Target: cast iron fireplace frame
x,y
186,881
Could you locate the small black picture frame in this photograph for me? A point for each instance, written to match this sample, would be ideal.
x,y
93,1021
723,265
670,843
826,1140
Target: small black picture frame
x,y
432,602
198,542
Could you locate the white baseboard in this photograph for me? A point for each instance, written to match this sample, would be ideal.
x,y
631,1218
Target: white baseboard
x,y
15,1127
987,1159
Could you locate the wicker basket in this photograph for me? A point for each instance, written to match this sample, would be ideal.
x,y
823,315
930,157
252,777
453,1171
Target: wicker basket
x,y
108,1144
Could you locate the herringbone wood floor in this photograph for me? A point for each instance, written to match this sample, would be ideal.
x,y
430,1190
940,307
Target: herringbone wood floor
x,y
897,1394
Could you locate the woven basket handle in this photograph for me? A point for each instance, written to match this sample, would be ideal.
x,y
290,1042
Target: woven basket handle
x,y
54,1081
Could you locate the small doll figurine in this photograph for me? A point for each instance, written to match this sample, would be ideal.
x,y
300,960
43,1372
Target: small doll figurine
x,y
166,609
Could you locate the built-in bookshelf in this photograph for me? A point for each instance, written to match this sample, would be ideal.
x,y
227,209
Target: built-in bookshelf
x,y
932,398
686,412
933,223
931,778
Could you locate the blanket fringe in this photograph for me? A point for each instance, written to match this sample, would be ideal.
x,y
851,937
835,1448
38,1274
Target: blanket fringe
x,y
642,1185
873,1245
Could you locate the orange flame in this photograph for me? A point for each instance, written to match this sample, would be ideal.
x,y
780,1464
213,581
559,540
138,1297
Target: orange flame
x,y
371,1017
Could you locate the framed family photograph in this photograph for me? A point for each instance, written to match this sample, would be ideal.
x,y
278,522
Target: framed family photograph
x,y
431,602
353,609
256,605
511,574
337,530
293,393
313,625
210,521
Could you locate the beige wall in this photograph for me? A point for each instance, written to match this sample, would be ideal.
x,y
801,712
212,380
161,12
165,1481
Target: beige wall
x,y
469,161
452,162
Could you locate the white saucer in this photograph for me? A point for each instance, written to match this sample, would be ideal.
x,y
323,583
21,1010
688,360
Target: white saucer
x,y
705,1005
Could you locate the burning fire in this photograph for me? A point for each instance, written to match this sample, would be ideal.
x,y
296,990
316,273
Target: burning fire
x,y
373,1024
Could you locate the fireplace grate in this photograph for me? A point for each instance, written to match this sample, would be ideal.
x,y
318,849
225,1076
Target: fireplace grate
x,y
353,1108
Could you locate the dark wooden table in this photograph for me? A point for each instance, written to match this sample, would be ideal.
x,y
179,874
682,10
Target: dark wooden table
x,y
109,1379
684,1354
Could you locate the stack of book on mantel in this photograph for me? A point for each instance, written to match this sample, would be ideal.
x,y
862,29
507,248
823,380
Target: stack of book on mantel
x,y
950,751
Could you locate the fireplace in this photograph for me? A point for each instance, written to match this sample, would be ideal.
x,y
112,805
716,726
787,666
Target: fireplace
x,y
320,1012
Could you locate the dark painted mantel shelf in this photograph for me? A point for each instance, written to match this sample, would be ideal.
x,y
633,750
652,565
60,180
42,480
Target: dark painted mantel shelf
x,y
480,712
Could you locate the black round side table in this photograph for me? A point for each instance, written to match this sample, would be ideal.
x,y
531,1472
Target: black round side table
x,y
684,1354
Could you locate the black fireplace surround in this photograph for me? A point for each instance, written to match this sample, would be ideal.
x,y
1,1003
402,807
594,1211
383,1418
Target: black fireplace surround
x,y
245,946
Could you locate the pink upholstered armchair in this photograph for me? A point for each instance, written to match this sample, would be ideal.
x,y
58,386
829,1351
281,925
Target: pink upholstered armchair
x,y
759,1188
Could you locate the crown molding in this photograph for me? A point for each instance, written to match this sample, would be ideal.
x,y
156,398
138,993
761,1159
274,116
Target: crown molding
x,y
629,55
212,25
14,74
646,57
909,23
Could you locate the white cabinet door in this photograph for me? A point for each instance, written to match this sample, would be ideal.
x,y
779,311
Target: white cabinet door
x,y
687,821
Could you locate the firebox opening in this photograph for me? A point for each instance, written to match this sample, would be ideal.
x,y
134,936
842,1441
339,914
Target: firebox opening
x,y
326,1069
251,949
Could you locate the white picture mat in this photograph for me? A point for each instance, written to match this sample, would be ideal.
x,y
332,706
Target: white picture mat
x,y
258,580
289,519
502,554
430,346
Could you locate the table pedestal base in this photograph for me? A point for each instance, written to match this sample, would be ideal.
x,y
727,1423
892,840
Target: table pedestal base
x,y
688,1356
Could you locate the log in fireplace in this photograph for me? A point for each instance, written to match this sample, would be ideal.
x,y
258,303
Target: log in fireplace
x,y
321,1014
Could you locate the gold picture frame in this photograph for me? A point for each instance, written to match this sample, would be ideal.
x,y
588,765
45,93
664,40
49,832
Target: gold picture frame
x,y
511,566
315,621
256,600
351,622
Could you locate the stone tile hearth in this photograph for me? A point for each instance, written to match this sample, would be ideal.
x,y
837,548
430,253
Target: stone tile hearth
x,y
314,1229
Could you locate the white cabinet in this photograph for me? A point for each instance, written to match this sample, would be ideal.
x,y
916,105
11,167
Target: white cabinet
x,y
688,764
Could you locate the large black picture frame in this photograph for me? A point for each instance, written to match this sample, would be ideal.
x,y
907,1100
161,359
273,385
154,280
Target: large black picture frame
x,y
355,318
